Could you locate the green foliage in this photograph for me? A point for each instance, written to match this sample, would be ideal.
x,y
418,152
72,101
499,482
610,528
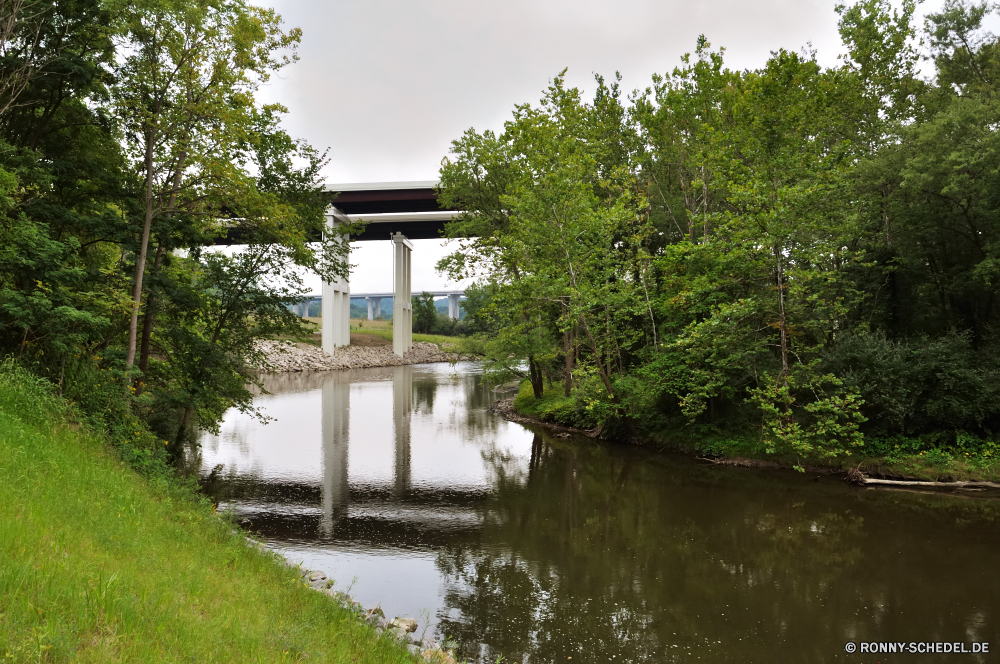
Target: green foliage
x,y
807,250
555,407
921,385
425,314
826,426
477,308
114,176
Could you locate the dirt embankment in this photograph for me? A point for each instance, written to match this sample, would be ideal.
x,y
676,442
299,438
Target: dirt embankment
x,y
505,408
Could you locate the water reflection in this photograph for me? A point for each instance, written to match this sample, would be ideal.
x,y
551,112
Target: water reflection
x,y
336,431
539,549
402,402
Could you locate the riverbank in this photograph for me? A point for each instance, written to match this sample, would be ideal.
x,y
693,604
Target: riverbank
x,y
102,565
934,469
399,628
289,356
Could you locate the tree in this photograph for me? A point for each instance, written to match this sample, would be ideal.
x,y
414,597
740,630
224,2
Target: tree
x,y
425,314
185,100
220,306
65,171
23,47
564,227
679,118
72,185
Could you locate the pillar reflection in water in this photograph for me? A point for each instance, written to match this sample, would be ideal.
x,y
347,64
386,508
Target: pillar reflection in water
x,y
402,407
336,428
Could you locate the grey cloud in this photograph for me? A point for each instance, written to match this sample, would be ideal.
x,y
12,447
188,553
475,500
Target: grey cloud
x,y
388,84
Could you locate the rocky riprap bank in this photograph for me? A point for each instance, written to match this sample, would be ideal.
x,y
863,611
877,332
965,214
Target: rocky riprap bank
x,y
401,629
286,356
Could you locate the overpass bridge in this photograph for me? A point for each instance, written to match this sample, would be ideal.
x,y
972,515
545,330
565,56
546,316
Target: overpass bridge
x,y
396,211
374,301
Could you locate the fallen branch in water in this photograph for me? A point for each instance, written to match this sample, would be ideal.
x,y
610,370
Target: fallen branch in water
x,y
949,485
740,462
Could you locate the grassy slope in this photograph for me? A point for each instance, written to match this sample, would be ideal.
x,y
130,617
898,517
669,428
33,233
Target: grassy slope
x,y
383,329
444,342
98,565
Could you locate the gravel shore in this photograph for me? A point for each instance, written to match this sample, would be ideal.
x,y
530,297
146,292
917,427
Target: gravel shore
x,y
287,356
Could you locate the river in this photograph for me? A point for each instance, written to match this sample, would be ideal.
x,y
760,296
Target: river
x,y
400,485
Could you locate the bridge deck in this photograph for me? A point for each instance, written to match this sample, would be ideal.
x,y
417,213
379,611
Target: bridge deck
x,y
410,208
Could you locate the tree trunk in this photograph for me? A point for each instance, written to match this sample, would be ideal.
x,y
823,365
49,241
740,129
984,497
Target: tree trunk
x,y
783,327
782,321
535,372
140,264
568,370
599,363
147,324
182,429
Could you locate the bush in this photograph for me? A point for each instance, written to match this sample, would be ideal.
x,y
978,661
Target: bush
x,y
94,393
925,385
555,406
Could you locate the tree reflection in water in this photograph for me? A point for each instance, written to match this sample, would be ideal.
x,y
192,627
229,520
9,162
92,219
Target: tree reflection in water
x,y
599,554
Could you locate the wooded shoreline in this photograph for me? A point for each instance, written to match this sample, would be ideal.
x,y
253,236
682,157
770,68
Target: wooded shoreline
x,y
873,477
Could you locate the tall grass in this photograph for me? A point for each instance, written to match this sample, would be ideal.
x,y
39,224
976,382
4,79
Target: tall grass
x,y
98,564
445,343
383,329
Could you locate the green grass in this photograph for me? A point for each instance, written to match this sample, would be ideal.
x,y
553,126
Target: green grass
x,y
98,564
554,406
443,342
363,324
383,329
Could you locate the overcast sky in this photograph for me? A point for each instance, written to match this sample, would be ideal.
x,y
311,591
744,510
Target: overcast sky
x,y
386,85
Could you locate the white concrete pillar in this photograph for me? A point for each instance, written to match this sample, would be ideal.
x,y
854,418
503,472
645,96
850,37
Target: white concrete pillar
x,y
402,302
336,302
453,307
374,307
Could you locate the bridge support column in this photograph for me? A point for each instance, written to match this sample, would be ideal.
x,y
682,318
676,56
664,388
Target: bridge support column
x,y
374,307
402,303
336,305
453,307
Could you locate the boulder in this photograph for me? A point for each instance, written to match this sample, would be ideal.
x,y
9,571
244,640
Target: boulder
x,y
408,624
437,657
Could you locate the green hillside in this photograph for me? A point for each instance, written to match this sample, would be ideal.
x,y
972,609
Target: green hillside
x,y
98,564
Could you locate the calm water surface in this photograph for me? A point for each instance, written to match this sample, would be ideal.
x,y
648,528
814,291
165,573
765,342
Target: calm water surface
x,y
397,483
